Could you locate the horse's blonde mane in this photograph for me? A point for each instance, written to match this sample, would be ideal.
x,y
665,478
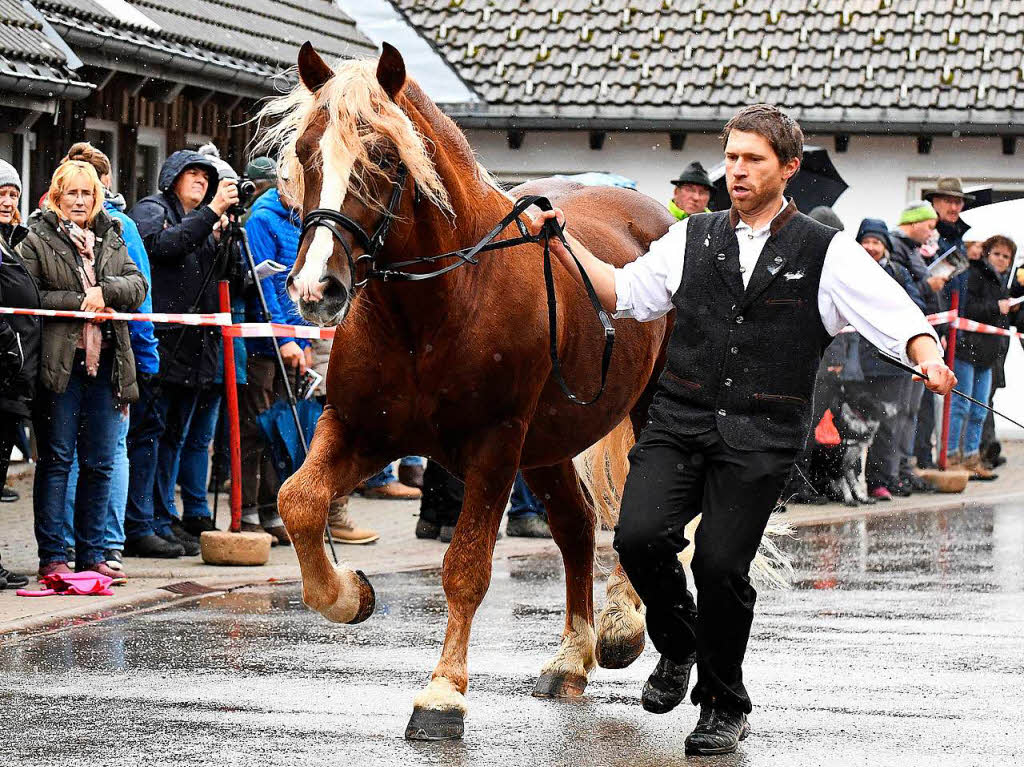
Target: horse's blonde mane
x,y
360,114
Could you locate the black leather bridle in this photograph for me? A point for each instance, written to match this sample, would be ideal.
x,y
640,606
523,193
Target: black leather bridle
x,y
337,223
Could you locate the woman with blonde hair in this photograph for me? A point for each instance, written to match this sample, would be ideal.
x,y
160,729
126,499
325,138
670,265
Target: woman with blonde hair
x,y
76,254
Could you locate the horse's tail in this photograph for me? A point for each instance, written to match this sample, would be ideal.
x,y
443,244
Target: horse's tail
x,y
602,470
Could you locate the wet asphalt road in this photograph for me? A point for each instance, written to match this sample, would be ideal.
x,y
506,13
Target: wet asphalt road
x,y
902,644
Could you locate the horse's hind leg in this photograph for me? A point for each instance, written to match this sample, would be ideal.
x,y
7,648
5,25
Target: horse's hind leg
x,y
439,710
572,523
340,595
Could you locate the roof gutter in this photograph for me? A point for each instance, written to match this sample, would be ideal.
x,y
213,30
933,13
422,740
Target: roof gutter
x,y
45,87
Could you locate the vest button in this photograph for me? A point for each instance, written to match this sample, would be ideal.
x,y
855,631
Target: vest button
x,y
735,350
728,382
739,320
721,412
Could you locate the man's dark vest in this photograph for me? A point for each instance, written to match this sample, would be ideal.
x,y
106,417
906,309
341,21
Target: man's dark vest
x,y
743,361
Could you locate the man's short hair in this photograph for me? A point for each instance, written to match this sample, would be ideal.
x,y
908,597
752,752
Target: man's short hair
x,y
999,239
770,122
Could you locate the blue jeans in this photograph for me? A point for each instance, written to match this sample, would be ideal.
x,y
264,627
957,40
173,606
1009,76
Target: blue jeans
x,y
83,417
182,410
387,474
974,382
145,430
114,535
524,502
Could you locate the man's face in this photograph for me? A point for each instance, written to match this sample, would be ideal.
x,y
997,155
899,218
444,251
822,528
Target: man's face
x,y
1000,258
948,207
693,198
874,246
920,231
191,186
753,174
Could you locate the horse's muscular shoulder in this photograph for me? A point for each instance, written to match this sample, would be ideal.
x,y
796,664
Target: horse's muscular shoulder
x,y
596,214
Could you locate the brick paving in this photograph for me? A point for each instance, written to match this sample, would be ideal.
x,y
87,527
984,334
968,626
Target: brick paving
x,y
397,549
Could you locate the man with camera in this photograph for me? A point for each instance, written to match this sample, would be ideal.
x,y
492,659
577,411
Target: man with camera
x,y
180,229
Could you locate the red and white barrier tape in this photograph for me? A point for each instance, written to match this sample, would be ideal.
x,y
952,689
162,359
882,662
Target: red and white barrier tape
x,y
274,329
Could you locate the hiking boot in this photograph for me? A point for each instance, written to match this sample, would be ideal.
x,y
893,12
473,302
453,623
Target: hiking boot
x,y
393,491
189,544
9,495
53,567
666,686
973,464
9,580
343,529
113,558
116,578
427,530
196,526
182,534
718,731
527,526
411,476
153,546
279,534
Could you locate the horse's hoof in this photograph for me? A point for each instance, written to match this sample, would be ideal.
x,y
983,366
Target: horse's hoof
x,y
620,651
428,724
367,599
553,685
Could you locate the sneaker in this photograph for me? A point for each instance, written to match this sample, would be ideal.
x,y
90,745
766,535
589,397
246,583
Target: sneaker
x,y
113,559
117,578
880,493
196,526
189,544
341,527
9,495
9,580
393,491
153,546
411,475
527,526
53,567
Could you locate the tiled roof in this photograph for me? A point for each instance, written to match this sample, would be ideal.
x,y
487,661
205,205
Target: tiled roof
x,y
259,37
28,55
693,62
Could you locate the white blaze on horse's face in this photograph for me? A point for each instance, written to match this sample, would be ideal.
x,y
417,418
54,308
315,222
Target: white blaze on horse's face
x,y
333,188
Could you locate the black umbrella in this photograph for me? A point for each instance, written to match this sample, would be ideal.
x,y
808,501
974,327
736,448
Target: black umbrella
x,y
816,183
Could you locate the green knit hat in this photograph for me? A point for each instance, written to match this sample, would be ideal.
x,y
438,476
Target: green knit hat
x,y
918,210
261,169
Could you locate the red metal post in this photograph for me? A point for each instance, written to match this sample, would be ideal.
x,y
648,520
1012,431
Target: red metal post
x,y
234,431
947,401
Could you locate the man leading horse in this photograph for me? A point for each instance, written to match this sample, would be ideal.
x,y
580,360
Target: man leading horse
x,y
759,291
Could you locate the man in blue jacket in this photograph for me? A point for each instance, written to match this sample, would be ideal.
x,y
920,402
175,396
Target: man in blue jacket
x,y
273,229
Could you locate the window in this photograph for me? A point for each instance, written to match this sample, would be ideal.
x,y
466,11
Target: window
x,y
102,134
150,152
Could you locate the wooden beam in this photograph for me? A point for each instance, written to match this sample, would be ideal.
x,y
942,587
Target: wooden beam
x,y
163,91
842,142
924,144
677,140
1009,145
515,138
596,139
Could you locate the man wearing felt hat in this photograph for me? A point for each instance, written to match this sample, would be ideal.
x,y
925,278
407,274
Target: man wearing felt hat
x,y
948,198
692,192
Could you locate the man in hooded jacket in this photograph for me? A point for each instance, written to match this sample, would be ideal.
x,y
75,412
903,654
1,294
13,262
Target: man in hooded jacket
x,y
180,228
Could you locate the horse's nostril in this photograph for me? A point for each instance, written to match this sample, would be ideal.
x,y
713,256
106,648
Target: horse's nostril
x,y
334,289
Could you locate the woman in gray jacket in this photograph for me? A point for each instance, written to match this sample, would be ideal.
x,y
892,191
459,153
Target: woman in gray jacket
x,y
75,252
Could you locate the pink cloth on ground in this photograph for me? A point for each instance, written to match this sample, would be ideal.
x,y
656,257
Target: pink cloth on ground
x,y
71,584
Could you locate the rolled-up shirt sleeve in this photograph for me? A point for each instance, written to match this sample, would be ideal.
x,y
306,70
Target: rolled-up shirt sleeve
x,y
855,290
644,288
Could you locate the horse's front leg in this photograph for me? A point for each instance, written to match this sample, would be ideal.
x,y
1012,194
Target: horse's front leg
x,y
339,594
439,710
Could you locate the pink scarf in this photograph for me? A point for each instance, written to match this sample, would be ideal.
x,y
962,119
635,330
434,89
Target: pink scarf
x,y
92,337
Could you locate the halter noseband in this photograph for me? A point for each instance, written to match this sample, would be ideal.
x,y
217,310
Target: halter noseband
x,y
337,223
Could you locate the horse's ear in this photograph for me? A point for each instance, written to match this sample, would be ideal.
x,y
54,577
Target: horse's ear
x,y
313,70
391,70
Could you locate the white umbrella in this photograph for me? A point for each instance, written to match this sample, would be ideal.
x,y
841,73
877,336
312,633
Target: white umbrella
x,y
1005,218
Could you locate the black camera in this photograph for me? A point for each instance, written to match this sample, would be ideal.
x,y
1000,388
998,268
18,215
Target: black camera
x,y
246,193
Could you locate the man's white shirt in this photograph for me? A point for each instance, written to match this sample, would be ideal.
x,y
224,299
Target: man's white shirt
x,y
853,290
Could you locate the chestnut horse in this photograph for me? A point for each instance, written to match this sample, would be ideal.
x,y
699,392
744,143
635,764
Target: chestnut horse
x,y
456,368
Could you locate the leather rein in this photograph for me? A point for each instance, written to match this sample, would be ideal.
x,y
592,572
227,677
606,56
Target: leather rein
x,y
337,223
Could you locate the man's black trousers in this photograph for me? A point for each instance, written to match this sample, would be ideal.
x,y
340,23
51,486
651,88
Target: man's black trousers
x,y
673,478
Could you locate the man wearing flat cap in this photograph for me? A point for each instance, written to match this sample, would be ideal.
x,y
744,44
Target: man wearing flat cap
x,y
692,192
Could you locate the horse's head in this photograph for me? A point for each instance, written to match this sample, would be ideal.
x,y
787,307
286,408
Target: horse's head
x,y
345,143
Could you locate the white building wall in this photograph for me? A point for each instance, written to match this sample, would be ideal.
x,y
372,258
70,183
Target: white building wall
x,y
883,172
